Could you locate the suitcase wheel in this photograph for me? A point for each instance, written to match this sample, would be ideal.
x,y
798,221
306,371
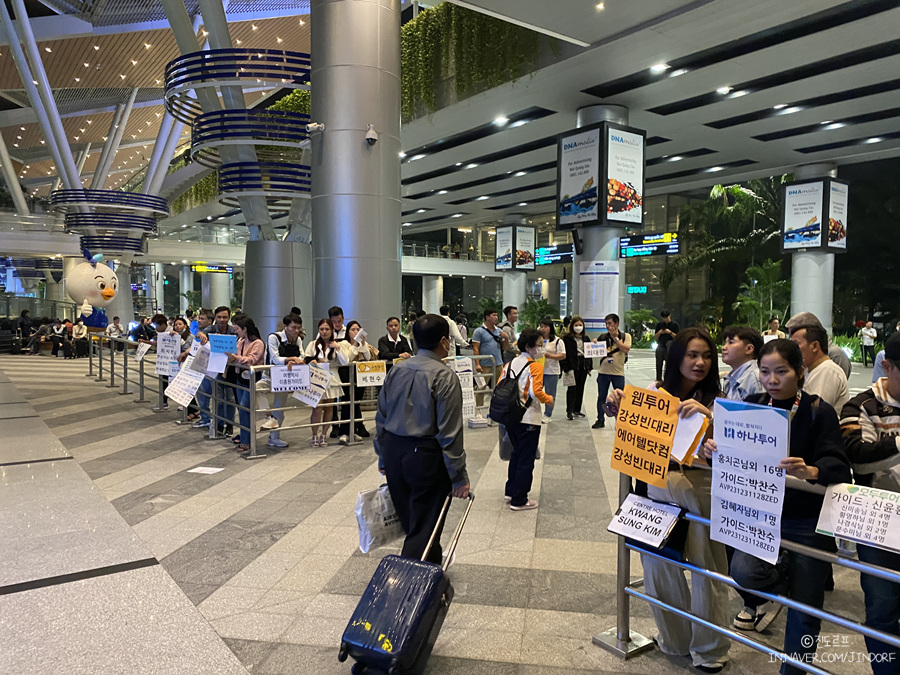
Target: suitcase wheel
x,y
344,653
358,668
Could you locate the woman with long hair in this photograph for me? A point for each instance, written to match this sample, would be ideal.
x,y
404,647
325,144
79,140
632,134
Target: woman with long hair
x,y
324,350
816,455
357,350
554,352
692,375
181,326
574,340
251,351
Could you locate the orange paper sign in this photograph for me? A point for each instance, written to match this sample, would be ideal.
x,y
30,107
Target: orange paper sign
x,y
645,427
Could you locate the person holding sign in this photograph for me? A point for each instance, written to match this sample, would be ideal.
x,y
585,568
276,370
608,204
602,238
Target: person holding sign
x,y
612,368
816,455
355,349
284,349
575,367
251,351
870,423
326,351
692,374
554,352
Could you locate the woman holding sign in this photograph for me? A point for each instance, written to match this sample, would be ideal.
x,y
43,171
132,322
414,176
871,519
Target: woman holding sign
x,y
251,351
692,374
575,367
356,348
325,351
817,455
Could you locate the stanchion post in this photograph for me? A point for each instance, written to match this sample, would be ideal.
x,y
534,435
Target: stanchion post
x,y
100,377
112,364
161,397
352,435
213,410
140,381
91,343
124,367
621,640
251,384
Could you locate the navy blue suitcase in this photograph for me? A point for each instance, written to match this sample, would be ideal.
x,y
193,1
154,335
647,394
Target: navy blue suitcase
x,y
396,623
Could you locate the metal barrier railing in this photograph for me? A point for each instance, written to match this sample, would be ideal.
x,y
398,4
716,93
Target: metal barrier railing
x,y
113,358
625,643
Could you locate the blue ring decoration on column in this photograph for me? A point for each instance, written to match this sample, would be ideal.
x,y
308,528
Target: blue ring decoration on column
x,y
70,201
273,68
278,182
276,134
81,223
111,244
28,274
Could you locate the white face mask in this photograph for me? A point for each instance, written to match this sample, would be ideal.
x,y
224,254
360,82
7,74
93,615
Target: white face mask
x,y
578,329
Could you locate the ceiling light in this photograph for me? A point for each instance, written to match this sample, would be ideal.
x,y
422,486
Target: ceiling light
x,y
676,73
87,65
779,106
482,198
22,128
133,62
147,45
457,215
659,68
96,47
122,76
835,125
723,90
601,5
205,32
421,211
415,157
714,169
676,158
827,122
405,224
253,26
501,121
518,123
471,166
402,155
521,173
78,79
523,203
279,40
738,94
47,49
458,164
442,192
791,110
238,41
874,139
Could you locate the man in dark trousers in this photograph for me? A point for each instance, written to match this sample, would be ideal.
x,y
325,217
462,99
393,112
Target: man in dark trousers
x,y
665,333
419,436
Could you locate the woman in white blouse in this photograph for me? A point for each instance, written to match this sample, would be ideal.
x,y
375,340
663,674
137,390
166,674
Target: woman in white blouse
x,y
356,348
325,351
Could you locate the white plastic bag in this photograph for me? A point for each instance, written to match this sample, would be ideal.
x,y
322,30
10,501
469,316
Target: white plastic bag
x,y
378,521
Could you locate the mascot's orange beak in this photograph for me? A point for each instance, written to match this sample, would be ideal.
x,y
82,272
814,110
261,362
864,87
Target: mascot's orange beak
x,y
107,293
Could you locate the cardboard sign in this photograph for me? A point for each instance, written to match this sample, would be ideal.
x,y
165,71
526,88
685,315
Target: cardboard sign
x,y
168,347
184,385
645,520
319,381
594,350
747,487
141,351
221,344
645,428
284,379
370,373
867,515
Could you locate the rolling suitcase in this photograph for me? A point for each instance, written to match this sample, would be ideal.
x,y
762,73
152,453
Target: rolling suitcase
x,y
67,349
81,349
394,627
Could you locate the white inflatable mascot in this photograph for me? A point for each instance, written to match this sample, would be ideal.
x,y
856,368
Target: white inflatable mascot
x,y
91,284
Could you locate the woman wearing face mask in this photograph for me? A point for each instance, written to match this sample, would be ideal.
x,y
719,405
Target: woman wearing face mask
x,y
525,434
324,350
575,363
692,374
357,350
817,455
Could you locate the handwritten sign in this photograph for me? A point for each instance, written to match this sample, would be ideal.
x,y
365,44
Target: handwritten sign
x,y
221,344
867,515
284,379
319,381
645,520
645,427
168,347
200,360
594,350
370,373
747,485
184,385
141,351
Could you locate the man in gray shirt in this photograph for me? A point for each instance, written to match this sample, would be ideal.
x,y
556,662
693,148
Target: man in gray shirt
x,y
419,436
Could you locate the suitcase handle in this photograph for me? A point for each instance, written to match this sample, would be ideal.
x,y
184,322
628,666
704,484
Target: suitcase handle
x,y
456,534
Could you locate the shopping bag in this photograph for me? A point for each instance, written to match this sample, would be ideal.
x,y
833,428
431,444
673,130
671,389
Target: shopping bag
x,y
568,379
378,521
506,446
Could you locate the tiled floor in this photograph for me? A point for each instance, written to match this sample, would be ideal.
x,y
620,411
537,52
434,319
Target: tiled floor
x,y
267,550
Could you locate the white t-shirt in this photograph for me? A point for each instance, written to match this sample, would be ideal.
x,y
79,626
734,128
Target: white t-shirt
x,y
554,346
828,382
868,336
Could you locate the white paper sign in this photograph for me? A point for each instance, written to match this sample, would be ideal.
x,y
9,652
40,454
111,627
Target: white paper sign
x,y
283,379
598,283
867,515
360,335
217,363
468,409
168,347
319,380
200,360
195,347
747,487
769,338
594,350
370,373
644,520
685,433
185,384
141,350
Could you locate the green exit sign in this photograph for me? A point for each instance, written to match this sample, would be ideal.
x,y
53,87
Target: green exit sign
x,y
637,290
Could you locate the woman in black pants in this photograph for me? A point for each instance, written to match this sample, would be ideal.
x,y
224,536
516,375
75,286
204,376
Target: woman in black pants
x,y
574,340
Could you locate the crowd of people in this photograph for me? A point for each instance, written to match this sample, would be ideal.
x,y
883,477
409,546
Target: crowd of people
x,y
66,339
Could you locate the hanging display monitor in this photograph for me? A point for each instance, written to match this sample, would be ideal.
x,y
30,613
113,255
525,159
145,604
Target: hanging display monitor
x,y
600,176
515,248
815,216
524,247
503,255
639,245
560,253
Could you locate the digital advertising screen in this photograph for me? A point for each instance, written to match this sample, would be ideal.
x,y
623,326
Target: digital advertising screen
x,y
579,178
504,252
525,237
661,243
624,176
839,194
803,211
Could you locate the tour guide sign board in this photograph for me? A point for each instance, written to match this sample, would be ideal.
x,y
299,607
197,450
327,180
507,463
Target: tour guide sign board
x,y
600,176
747,487
810,206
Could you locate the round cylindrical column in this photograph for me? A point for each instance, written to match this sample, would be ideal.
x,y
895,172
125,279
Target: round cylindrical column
x,y
550,293
812,272
159,286
278,276
123,304
599,243
432,293
355,185
214,290
185,285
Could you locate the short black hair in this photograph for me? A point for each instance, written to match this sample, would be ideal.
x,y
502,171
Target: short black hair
x,y
528,338
508,309
747,335
664,313
391,318
335,311
489,311
159,319
292,318
296,310
429,330
773,318
613,317
814,333
223,308
445,310
208,313
420,313
115,317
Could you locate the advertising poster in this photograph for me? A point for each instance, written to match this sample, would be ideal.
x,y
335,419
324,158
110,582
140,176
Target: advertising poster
x,y
837,216
599,292
524,248
579,177
645,428
747,487
624,176
504,252
803,216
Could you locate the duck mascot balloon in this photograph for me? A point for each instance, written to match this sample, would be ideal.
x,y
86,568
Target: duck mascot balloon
x,y
92,285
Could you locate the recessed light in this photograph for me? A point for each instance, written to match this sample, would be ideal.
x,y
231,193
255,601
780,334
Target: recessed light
x,y
147,45
402,155
714,169
47,49
302,22
518,123
96,47
421,210
676,158
676,73
279,40
501,121
416,157
253,26
659,68
827,122
482,198
601,5
456,215
442,192
523,203
405,224
471,166
873,140
87,65
133,62
779,106
739,93
791,110
723,90
521,173
835,125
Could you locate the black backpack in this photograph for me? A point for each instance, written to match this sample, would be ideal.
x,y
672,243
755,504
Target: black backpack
x,y
285,349
506,403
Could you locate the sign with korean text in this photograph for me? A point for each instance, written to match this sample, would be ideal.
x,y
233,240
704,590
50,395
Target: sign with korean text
x,y
319,380
645,520
747,485
595,350
168,347
866,515
200,359
370,373
222,344
284,378
462,366
141,350
645,427
184,385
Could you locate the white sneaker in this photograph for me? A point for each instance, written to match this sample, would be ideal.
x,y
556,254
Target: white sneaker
x,y
270,423
545,420
344,439
766,614
277,443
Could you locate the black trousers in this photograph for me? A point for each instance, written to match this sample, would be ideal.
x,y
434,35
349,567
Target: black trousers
x,y
868,354
419,483
575,394
662,352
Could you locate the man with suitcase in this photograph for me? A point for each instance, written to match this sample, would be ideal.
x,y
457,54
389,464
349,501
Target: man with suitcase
x,y
419,437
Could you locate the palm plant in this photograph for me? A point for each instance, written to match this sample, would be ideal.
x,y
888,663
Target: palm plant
x,y
763,295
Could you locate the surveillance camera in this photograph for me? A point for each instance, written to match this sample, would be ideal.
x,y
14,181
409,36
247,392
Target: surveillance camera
x,y
313,127
371,135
